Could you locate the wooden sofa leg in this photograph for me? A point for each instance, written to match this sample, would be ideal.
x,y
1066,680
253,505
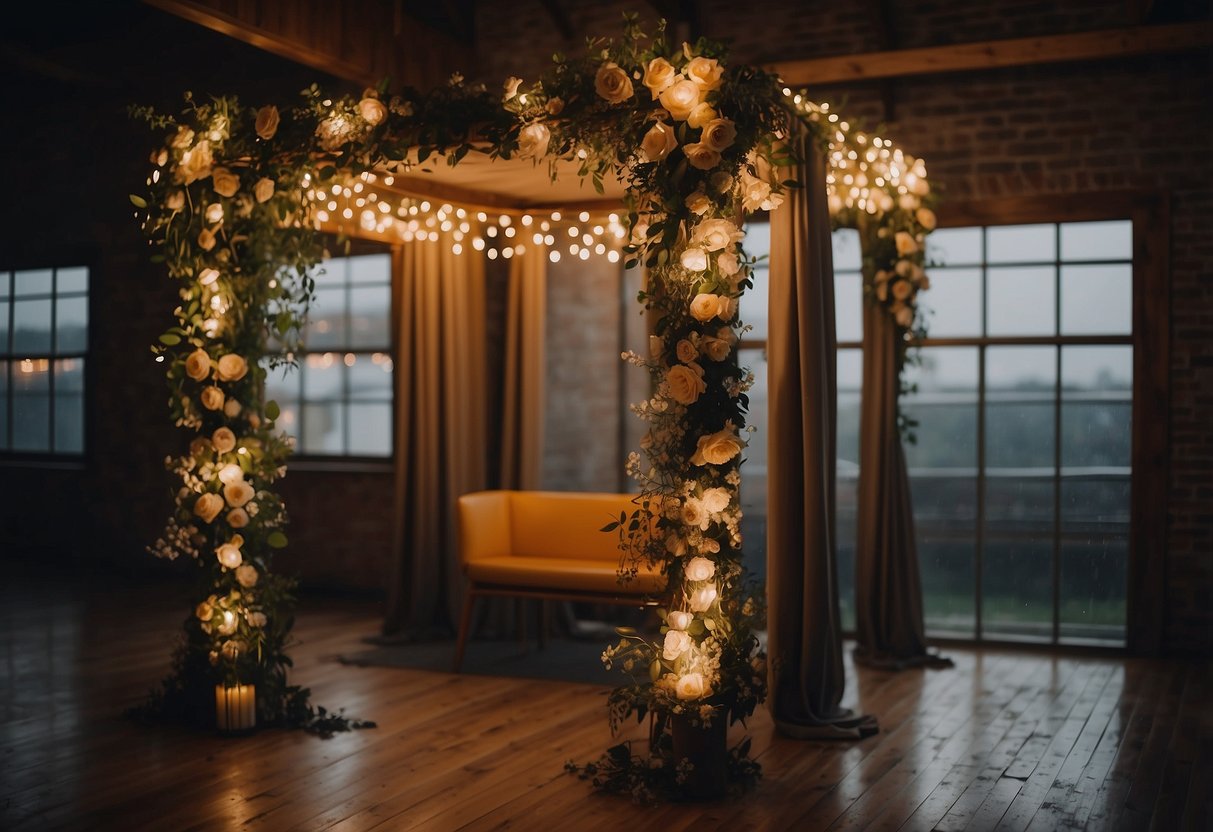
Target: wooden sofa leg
x,y
465,624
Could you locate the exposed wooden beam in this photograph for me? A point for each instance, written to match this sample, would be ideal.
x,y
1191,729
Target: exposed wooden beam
x,y
1083,46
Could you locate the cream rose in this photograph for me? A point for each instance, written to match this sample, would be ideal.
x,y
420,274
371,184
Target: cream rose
x,y
904,316
699,569
717,448
658,142
706,73
716,234
701,600
211,398
680,98
204,611
231,473
225,182
902,289
264,189
533,141
926,218
693,514
754,191
727,263
905,243
703,114
612,83
692,686
719,134
677,642
208,506
701,156
224,440
698,203
918,185
256,619
685,351
199,445
716,499
555,106
266,124
206,239
198,364
183,138
229,553
511,87
705,306
238,493
231,408
231,367
908,202
372,111
214,213
658,75
694,259
675,545
237,518
679,620
640,233
715,348
246,575
175,201
195,163
686,383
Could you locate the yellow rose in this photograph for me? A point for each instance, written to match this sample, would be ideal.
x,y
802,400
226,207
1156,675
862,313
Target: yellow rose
x,y
699,569
225,182
237,518
212,398
533,141
208,506
658,142
231,367
702,115
694,259
267,122
264,189
686,351
195,163
198,364
719,134
372,111
238,493
658,75
680,98
705,306
231,408
926,218
692,686
229,553
716,234
204,611
706,73
612,83
701,156
206,239
224,440
717,448
246,575
686,383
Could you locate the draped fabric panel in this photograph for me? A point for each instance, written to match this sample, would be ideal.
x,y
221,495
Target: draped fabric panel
x,y
805,638
441,430
522,418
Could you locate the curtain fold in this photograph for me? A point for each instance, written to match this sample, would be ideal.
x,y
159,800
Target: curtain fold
x,y
888,589
441,430
522,413
805,641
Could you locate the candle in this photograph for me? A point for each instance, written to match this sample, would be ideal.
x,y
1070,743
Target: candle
x,y
235,708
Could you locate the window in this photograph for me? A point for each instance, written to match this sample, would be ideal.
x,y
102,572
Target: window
x,y
43,347
338,400
1021,472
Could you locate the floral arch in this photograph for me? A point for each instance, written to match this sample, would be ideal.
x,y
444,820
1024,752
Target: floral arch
x,y
238,199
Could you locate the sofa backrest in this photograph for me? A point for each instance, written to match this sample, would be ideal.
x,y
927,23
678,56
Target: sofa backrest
x,y
546,524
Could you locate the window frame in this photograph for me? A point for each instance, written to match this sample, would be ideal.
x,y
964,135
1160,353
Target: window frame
x,y
55,263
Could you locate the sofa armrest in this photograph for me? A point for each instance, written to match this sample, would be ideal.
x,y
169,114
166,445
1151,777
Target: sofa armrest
x,y
484,525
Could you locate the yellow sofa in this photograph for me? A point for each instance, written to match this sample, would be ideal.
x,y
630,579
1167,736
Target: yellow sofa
x,y
545,545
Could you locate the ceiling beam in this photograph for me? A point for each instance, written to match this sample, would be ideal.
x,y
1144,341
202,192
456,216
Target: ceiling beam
x,y
1083,46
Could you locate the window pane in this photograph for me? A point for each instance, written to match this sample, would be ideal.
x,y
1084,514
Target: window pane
x,y
1093,589
754,310
954,247
1017,588
1019,504
947,562
4,367
31,405
954,302
71,323
369,268
31,326
370,307
69,405
945,407
754,470
847,254
323,431
71,280
1097,300
370,429
1021,243
1097,407
1096,504
33,282
367,379
326,319
848,306
322,377
850,382
1019,408
5,280
4,304
1021,301
1097,240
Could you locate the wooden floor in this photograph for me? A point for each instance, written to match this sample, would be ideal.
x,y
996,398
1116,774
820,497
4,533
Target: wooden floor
x,y
1006,740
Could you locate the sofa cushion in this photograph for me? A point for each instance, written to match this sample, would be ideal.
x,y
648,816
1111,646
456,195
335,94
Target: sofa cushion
x,y
571,574
545,524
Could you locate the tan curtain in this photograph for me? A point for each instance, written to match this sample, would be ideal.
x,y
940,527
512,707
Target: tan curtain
x,y
525,369
805,638
888,590
441,431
